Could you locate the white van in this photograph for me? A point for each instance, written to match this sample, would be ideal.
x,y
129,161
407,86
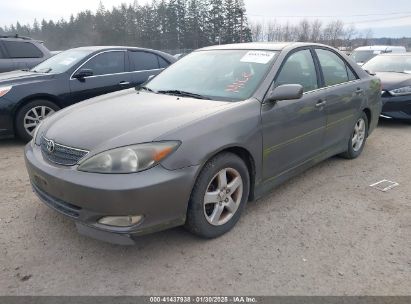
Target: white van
x,y
362,54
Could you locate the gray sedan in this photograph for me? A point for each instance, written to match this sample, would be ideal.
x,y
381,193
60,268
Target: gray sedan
x,y
219,128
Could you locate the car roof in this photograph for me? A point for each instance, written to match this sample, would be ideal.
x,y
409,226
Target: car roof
x,y
93,49
396,54
378,48
113,47
269,46
20,39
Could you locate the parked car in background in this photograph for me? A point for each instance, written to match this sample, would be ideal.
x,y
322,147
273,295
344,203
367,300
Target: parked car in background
x,y
221,126
362,54
394,70
18,53
27,97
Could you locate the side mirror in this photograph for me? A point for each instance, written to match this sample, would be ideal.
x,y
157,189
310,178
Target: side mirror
x,y
370,72
286,92
83,73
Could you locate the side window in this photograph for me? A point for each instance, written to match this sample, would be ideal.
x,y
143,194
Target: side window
x,y
142,61
106,63
334,69
299,68
17,49
162,62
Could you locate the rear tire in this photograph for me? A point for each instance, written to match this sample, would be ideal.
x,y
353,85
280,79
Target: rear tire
x,y
30,115
219,196
357,139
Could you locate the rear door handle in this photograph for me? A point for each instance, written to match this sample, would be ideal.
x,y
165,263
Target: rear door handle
x,y
124,83
359,91
321,103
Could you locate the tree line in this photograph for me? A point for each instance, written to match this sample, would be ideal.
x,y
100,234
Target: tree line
x,y
164,24
334,33
174,25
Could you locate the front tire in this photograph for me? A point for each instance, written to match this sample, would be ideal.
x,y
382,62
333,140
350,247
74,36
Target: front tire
x,y
30,115
358,138
219,196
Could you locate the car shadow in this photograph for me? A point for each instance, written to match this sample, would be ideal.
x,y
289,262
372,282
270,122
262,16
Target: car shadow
x,y
393,123
11,143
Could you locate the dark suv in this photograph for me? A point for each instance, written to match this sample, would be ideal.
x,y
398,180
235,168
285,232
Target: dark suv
x,y
18,53
27,97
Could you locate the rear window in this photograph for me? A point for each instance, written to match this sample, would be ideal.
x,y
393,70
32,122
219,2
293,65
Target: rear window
x,y
20,49
142,61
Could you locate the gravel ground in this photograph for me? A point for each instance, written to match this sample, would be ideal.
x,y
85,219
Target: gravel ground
x,y
325,232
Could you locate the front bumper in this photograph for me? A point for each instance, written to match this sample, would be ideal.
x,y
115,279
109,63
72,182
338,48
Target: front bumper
x,y
396,107
159,195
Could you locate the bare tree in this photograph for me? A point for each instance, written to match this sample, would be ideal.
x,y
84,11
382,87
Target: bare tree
x,y
303,31
316,31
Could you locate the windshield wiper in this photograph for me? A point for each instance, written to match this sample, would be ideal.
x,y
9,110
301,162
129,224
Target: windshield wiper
x,y
145,89
182,93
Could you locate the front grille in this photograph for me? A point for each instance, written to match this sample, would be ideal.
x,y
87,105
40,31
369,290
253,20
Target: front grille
x,y
57,204
59,154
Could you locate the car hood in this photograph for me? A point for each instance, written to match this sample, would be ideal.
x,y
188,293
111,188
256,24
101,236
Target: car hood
x,y
391,80
19,77
124,118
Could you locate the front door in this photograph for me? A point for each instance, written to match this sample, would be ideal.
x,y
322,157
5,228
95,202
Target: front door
x,y
109,75
293,130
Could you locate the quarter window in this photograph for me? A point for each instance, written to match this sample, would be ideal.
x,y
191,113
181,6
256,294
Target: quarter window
x,y
335,70
299,68
162,62
106,63
17,49
142,61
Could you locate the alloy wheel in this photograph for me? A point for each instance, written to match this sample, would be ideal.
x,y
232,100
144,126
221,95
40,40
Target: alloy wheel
x,y
34,116
358,135
223,196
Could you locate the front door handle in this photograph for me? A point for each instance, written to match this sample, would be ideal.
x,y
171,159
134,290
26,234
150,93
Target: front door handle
x,y
124,83
321,103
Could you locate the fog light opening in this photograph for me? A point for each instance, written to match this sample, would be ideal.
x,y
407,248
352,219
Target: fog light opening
x,y
120,221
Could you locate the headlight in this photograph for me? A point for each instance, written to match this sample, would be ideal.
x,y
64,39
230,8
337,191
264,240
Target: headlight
x,y
129,159
4,90
401,91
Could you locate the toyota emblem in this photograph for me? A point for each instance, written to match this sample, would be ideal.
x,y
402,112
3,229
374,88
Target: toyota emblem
x,y
50,146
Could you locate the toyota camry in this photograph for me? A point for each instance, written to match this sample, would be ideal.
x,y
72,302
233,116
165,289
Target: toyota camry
x,y
219,128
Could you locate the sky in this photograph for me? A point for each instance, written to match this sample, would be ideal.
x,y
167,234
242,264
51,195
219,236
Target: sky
x,y
384,18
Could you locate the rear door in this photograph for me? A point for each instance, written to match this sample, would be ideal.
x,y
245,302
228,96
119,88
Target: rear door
x,y
110,73
145,64
6,63
293,130
344,94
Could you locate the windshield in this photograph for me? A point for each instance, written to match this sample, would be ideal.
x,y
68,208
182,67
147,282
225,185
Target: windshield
x,y
217,74
61,62
389,63
363,56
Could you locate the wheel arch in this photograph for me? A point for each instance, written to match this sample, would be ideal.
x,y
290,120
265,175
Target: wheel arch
x,y
26,100
248,159
367,112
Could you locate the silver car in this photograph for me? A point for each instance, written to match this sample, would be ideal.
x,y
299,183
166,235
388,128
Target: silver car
x,y
219,128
